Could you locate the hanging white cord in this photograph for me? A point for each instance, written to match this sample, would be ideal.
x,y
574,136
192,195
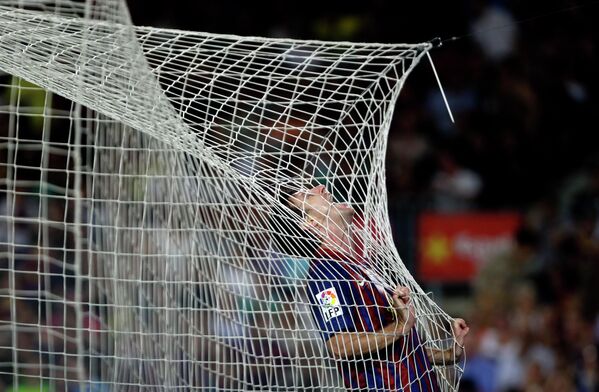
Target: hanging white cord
x,y
440,87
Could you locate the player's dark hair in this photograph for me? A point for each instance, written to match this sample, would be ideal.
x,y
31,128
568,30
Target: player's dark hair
x,y
290,237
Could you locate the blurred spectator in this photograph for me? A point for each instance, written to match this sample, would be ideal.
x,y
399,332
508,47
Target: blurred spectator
x,y
408,148
454,186
30,379
494,30
504,273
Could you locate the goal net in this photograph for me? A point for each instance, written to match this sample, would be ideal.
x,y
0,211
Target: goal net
x,y
146,236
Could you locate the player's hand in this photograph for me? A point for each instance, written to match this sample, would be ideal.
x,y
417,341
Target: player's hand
x,y
460,330
404,308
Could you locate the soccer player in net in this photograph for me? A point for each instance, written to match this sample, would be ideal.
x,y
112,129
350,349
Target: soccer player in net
x,y
367,328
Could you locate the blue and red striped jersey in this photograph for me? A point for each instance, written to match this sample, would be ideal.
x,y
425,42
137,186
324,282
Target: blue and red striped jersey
x,y
346,297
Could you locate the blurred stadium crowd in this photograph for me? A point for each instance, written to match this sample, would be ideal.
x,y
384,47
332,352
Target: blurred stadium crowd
x,y
525,99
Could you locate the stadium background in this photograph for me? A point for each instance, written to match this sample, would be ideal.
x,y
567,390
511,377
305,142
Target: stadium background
x,y
525,98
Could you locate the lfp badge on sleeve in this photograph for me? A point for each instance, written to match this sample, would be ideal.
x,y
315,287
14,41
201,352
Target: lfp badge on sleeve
x,y
329,303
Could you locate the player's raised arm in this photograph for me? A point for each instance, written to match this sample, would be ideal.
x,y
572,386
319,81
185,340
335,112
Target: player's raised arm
x,y
351,344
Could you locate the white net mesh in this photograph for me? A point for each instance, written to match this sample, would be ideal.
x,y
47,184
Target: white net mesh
x,y
147,239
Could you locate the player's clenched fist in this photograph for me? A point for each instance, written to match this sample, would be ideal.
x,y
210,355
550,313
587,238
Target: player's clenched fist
x,y
404,308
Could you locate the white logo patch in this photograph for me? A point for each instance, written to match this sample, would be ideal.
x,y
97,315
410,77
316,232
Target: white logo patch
x,y
330,306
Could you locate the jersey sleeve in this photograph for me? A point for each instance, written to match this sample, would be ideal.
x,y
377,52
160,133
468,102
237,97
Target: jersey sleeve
x,y
334,299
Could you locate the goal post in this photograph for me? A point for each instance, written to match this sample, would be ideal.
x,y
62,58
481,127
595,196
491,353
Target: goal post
x,y
146,236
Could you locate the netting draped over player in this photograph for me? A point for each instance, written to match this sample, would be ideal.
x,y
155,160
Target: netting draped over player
x,y
173,156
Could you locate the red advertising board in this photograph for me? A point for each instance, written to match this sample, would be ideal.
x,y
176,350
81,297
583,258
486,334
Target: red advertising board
x,y
453,247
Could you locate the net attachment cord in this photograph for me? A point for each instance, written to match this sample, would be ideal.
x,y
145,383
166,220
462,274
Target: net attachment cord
x,y
437,43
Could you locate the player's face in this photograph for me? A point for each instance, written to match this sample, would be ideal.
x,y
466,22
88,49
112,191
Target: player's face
x,y
320,210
